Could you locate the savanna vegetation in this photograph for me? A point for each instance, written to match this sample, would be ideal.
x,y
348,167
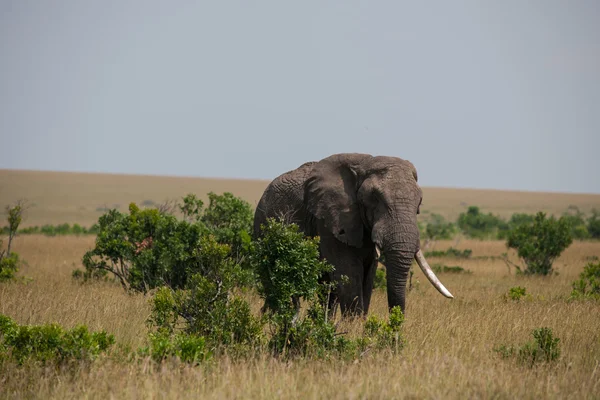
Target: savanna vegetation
x,y
176,300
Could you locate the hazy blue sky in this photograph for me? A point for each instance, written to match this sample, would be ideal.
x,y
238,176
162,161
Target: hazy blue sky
x,y
487,94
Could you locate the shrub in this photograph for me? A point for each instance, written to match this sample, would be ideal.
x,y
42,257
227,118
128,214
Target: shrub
x,y
515,220
450,252
516,293
538,244
577,223
289,269
382,334
50,342
593,224
144,249
477,225
206,306
288,266
9,261
185,347
53,230
311,336
229,218
9,265
588,285
438,228
149,248
544,348
440,268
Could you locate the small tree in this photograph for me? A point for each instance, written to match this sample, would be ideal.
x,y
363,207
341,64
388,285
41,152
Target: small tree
x,y
9,261
14,217
541,242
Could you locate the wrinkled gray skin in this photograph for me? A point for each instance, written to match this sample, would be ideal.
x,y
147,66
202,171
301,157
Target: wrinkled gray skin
x,y
353,202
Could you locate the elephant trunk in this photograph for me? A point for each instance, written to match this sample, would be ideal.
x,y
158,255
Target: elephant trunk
x,y
397,267
399,256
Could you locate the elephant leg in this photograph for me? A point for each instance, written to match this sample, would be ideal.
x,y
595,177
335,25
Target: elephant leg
x,y
348,273
370,271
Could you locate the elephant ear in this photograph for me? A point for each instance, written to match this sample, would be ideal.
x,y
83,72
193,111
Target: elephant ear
x,y
330,194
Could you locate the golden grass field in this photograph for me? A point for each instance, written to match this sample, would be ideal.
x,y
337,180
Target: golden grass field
x,y
449,342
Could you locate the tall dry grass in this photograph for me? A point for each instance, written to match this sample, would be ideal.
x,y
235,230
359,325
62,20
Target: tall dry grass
x,y
449,352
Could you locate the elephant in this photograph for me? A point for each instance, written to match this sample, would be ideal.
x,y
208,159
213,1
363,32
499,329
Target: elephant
x,y
361,206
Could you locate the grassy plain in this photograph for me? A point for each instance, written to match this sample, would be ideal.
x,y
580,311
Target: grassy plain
x,y
59,197
449,351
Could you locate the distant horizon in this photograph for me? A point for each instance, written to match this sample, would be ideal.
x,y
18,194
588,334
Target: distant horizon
x,y
267,180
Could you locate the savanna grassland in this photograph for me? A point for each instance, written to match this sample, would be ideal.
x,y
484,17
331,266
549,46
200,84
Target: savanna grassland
x,y
64,197
449,343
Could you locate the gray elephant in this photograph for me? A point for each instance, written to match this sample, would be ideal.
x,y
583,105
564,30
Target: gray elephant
x,y
360,206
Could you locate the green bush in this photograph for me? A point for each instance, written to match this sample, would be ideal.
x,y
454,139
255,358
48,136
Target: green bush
x,y
515,220
544,348
54,230
438,228
230,219
288,266
593,224
150,248
588,285
450,252
381,334
477,225
188,348
207,307
516,293
538,244
50,342
441,268
9,265
144,249
577,223
290,269
9,261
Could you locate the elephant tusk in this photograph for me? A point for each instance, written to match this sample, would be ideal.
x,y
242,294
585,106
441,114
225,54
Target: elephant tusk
x,y
430,275
378,252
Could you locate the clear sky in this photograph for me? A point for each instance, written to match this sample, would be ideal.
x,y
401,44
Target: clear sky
x,y
483,94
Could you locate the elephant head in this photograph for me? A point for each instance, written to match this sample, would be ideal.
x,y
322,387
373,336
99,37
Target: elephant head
x,y
365,200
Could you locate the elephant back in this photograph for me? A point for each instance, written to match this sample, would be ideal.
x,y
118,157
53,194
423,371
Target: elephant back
x,y
284,199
